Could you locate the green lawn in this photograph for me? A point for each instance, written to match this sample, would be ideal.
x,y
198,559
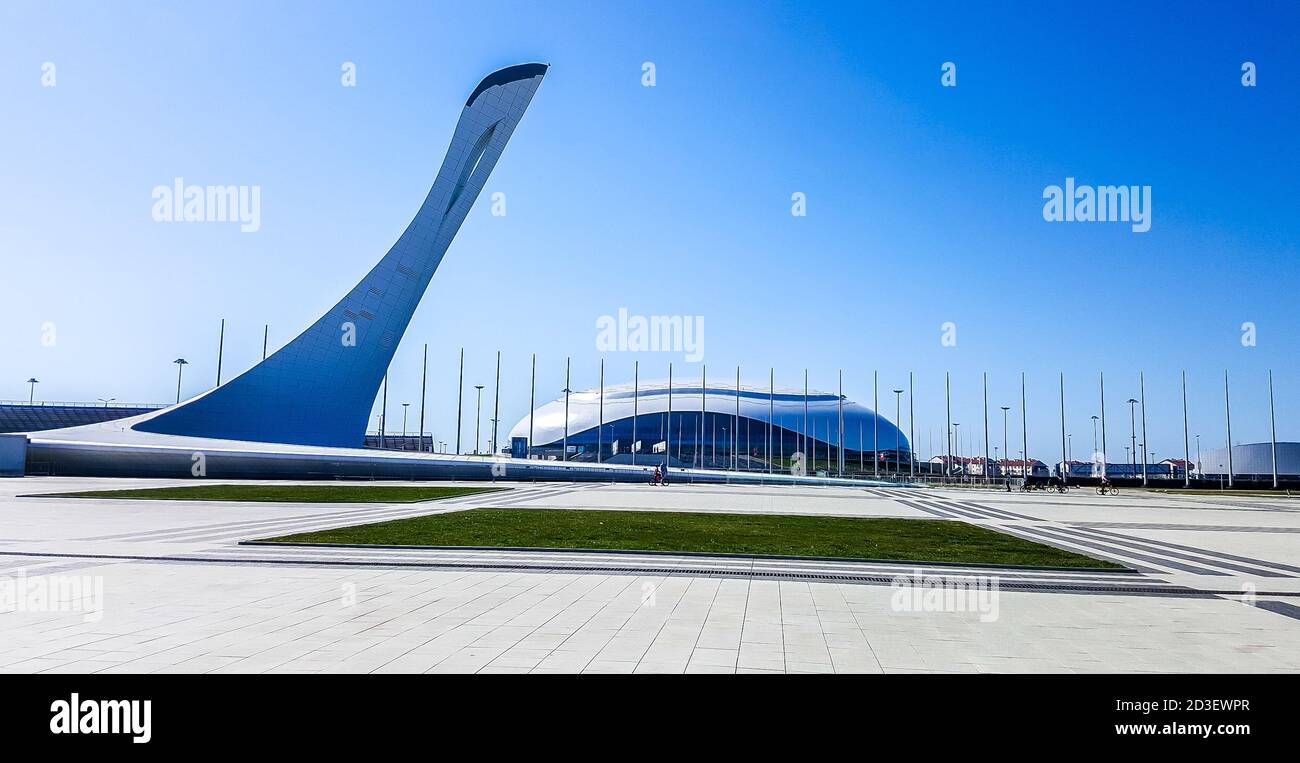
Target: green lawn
x,y
925,540
367,493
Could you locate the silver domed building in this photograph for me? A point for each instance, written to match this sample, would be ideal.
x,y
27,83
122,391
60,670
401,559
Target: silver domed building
x,y
713,428
1252,460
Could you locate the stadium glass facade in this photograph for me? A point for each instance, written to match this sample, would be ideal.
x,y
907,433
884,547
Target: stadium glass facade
x,y
715,428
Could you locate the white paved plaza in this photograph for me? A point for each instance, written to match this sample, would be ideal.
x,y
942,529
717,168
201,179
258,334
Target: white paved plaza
x,y
1213,589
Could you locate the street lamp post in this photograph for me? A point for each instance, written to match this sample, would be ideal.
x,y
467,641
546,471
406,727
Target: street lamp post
x,y
668,437
180,367
735,427
839,427
1102,378
985,470
1187,457
405,407
636,387
771,412
600,414
460,397
911,427
478,414
1024,425
704,414
424,383
947,396
1272,426
1132,432
1142,393
1005,452
31,393
1094,434
1227,411
875,424
496,409
564,454
898,413
106,400
532,405
1065,453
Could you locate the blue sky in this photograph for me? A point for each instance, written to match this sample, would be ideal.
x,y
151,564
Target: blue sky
x,y
924,203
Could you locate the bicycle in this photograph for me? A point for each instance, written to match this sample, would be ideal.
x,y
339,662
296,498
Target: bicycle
x,y
1107,490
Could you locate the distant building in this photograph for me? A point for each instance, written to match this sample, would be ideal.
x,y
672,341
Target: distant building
x,y
1252,460
976,466
1069,467
1016,468
1165,470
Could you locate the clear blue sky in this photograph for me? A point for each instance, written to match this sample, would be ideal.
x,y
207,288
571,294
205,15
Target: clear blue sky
x,y
924,202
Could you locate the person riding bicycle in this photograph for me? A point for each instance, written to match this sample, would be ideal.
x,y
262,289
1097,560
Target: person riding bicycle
x,y
657,476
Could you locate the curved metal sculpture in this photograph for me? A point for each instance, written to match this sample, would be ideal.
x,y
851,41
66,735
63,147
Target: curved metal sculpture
x,y
319,388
